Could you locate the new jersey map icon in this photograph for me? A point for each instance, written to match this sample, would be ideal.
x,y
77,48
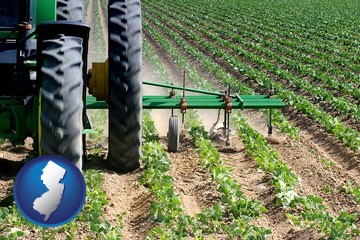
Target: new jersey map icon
x,y
49,191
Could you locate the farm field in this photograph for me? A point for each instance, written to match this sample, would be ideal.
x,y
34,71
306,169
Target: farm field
x,y
303,182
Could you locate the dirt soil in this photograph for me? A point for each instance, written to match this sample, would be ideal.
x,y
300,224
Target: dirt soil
x,y
12,158
192,182
127,195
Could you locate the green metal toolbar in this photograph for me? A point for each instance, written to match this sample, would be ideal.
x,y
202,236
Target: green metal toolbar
x,y
210,100
199,102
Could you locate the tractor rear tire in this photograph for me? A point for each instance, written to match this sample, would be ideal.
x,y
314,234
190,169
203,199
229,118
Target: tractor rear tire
x,y
71,10
125,97
61,103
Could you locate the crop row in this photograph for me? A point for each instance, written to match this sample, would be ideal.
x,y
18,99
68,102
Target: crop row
x,y
348,136
166,206
340,104
275,53
158,67
258,31
343,48
282,177
313,18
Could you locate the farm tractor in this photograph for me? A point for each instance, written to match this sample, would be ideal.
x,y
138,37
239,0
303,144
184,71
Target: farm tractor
x,y
47,88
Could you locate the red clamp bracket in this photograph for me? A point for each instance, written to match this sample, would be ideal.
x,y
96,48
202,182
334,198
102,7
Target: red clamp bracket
x,y
183,105
228,100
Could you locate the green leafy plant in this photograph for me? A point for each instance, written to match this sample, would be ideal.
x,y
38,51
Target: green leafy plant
x,y
326,189
149,132
327,164
353,190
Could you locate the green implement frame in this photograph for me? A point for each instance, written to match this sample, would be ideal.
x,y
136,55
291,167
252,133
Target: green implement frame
x,y
210,100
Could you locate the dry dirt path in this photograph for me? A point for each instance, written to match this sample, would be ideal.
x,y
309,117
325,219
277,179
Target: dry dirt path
x,y
192,182
126,195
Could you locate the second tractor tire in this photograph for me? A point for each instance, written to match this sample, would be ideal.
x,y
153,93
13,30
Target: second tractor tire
x,y
125,97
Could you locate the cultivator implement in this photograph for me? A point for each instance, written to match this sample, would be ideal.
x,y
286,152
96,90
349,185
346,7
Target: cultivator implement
x,y
203,100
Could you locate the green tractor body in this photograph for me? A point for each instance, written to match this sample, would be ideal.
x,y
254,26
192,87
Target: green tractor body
x,y
19,86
